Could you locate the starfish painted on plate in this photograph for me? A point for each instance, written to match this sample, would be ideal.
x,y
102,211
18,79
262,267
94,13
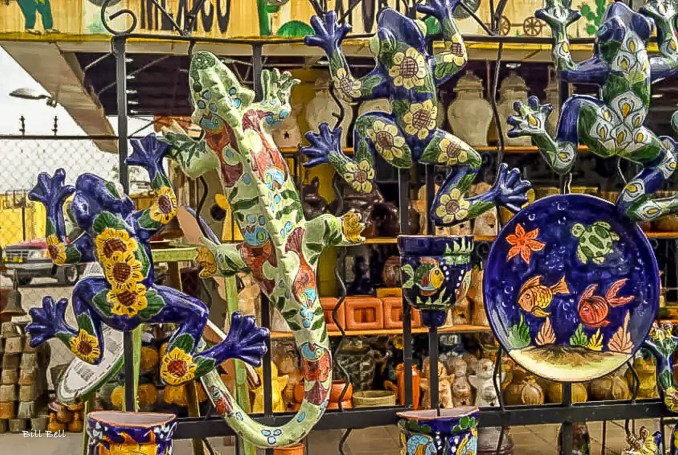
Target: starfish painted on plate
x,y
523,243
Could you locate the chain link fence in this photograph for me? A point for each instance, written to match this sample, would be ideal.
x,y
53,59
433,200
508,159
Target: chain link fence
x,y
22,222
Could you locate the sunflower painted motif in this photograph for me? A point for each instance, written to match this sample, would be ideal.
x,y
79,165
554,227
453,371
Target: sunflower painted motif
x,y
452,207
177,367
164,209
123,271
114,241
409,76
207,261
128,301
56,249
85,346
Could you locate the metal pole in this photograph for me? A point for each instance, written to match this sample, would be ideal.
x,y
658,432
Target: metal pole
x,y
433,379
119,44
403,203
567,426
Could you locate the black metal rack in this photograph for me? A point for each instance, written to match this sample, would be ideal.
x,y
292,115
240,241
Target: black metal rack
x,y
349,419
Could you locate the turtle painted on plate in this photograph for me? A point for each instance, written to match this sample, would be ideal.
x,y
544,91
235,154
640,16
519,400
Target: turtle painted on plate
x,y
595,241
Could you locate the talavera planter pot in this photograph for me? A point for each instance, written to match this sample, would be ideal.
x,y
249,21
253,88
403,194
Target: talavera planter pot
x,y
129,432
436,273
453,432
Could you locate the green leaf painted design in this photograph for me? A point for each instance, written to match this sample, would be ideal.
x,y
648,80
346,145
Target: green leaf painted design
x,y
184,342
519,334
72,255
245,204
289,314
665,379
101,302
579,337
317,324
146,222
204,365
85,323
107,220
408,274
155,304
294,326
49,228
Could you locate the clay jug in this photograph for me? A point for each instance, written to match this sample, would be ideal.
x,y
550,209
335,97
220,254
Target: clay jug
x,y
287,134
553,99
647,375
391,272
513,88
376,105
322,108
470,115
525,391
610,387
399,387
555,392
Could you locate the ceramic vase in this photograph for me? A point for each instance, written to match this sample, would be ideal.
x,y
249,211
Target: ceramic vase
x,y
358,363
322,108
553,99
453,432
436,273
376,105
113,432
399,387
470,115
288,134
391,273
512,89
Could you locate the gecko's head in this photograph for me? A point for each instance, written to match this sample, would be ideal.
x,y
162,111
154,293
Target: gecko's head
x,y
216,92
95,195
395,30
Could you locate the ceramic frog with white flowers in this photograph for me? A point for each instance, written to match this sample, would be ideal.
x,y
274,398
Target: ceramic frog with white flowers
x,y
409,76
612,125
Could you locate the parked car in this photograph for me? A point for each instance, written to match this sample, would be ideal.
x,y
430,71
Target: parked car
x,y
30,259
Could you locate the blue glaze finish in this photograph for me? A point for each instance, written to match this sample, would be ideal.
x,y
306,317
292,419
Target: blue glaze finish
x,y
436,273
112,432
454,432
583,320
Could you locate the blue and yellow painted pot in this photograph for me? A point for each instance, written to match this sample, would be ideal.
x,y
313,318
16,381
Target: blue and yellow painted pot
x,y
453,432
123,433
436,273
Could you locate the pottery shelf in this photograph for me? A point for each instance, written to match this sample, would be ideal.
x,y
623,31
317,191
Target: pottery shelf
x,y
357,333
491,238
490,148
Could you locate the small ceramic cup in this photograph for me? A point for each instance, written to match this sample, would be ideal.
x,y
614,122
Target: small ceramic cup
x,y
130,432
453,432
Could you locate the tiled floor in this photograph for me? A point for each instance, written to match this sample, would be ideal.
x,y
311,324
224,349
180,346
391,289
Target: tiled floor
x,y
536,440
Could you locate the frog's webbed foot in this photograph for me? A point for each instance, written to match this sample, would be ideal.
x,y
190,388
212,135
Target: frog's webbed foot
x,y
245,341
661,11
49,321
558,14
51,191
329,33
223,259
509,189
531,120
148,153
324,143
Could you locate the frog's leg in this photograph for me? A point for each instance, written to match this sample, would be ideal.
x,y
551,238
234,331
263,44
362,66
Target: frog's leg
x,y
583,120
450,205
374,132
659,163
181,362
86,341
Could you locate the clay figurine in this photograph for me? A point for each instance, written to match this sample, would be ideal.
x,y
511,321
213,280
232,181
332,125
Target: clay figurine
x,y
314,204
409,76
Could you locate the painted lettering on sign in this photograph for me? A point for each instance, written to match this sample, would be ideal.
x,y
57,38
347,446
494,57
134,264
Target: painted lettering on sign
x,y
214,13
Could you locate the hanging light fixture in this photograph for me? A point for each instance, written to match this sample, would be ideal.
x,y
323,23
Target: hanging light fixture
x,y
30,94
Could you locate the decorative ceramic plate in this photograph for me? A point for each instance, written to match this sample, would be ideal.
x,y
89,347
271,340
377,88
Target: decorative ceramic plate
x,y
571,288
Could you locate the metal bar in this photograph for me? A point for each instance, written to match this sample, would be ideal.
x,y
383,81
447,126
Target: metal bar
x,y
403,204
566,428
433,380
189,428
471,38
429,177
604,443
132,73
119,44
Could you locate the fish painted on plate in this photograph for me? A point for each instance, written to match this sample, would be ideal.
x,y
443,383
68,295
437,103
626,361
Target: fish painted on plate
x,y
428,276
594,309
535,297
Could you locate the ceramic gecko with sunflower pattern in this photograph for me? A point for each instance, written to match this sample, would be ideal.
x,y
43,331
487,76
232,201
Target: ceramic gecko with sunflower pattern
x,y
409,77
280,248
111,232
613,125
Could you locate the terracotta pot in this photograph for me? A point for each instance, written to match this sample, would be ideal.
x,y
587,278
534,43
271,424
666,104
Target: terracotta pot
x,y
296,449
391,273
399,387
337,388
139,432
525,391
